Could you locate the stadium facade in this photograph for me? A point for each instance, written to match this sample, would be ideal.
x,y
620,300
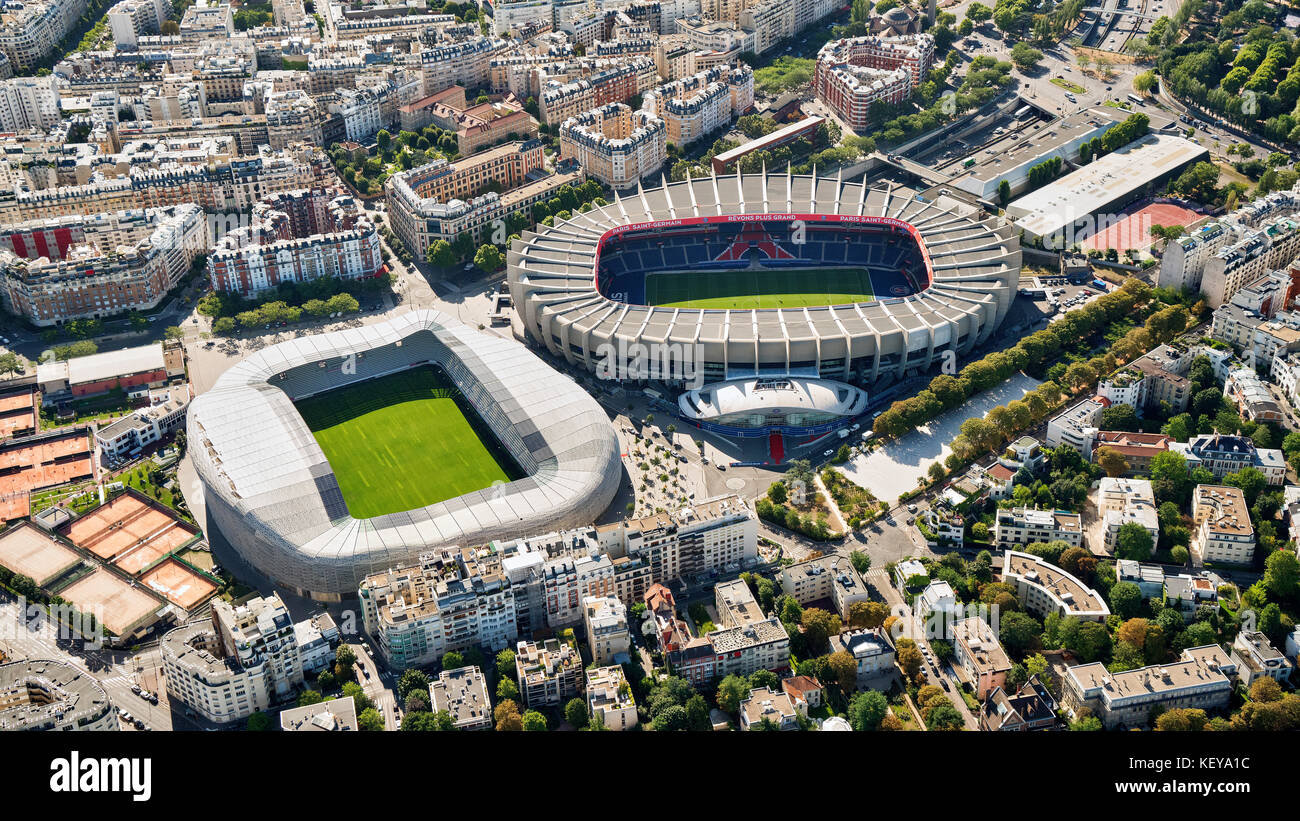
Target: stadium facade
x,y
270,490
944,275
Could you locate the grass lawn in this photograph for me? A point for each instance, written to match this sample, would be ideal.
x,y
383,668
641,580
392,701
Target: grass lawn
x,y
1068,86
768,288
402,442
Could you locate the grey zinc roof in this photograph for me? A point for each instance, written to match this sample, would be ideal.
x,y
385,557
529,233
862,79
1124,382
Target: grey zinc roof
x,y
277,499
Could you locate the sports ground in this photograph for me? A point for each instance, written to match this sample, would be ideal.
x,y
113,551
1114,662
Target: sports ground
x,y
401,442
759,289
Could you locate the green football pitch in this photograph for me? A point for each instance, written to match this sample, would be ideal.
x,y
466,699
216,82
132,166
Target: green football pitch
x,y
765,288
401,442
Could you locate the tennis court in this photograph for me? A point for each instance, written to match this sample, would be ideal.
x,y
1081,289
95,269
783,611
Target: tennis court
x,y
178,584
117,605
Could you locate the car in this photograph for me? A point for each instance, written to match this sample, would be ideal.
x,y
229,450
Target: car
x,y
135,688
855,426
139,725
911,520
944,682
828,453
911,508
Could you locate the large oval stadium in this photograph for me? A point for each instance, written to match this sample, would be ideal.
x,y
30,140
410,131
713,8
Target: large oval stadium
x,y
326,458
765,275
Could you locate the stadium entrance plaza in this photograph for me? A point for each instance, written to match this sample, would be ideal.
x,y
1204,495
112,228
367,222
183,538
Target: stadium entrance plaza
x,y
894,468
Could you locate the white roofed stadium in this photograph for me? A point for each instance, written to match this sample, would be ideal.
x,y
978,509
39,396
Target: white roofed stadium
x,y
275,497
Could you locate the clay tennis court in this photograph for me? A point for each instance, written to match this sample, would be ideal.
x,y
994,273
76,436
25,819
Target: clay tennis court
x,y
180,585
17,413
28,551
42,464
15,506
128,524
1134,230
116,604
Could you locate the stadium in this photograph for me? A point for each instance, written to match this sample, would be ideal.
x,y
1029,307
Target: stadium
x,y
326,458
766,275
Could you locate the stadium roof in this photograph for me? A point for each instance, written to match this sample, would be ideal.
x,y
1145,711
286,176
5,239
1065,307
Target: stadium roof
x,y
975,264
783,394
275,497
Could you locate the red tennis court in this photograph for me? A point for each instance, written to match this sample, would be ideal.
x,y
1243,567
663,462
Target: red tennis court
x,y
1134,230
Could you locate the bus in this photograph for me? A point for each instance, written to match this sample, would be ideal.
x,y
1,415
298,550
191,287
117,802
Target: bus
x,y
1136,100
1022,111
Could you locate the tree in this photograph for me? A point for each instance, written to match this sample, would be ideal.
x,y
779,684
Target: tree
x,y
1282,573
731,691
507,689
945,717
1112,461
10,363
359,698
440,254
1126,599
1182,719
1025,56
506,663
370,721
860,560
818,626
1019,633
1004,192
417,701
259,722
869,614
488,258
452,660
173,332
506,716
534,722
866,710
309,697
1133,542
413,679
575,712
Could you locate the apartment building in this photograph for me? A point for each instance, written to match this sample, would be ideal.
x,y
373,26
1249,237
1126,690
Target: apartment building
x,y
702,103
1184,259
615,144
609,698
980,656
1223,532
1202,679
1138,449
549,673
827,578
463,694
765,705
242,660
1023,525
61,268
613,82
294,116
1121,501
715,535
143,426
1077,427
605,619
1252,398
852,74
452,600
1223,454
129,20
872,651
47,695
29,104
1258,252
1143,384
1256,658
747,642
32,31
1186,594
441,200
1044,588
297,236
